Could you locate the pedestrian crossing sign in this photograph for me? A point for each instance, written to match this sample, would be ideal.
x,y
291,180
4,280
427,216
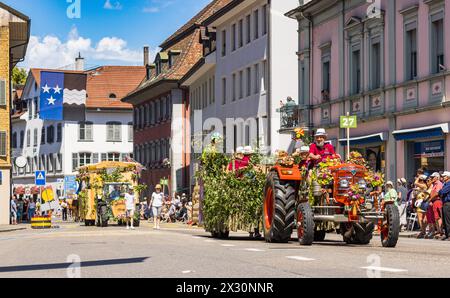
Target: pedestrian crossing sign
x,y
40,178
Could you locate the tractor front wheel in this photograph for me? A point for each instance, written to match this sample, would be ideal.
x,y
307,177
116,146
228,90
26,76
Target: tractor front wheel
x,y
305,224
390,228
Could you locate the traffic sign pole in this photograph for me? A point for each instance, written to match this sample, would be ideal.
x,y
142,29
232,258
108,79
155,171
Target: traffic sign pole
x,y
348,139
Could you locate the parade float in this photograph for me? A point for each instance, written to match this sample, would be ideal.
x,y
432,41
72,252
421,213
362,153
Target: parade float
x,y
231,200
103,186
344,195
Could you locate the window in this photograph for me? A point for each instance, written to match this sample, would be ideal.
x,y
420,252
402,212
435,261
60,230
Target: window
x,y
50,162
256,24
326,76
59,133
224,91
2,92
264,19
130,132
249,81
28,138
241,33
114,132
256,84
248,25
376,66
14,140
233,86
43,135
135,117
162,105
356,71
112,96
85,131
168,106
113,156
241,84
50,134
35,137
84,159
411,54
22,136
59,162
30,109
224,43
157,112
36,107
264,75
3,144
437,47
233,37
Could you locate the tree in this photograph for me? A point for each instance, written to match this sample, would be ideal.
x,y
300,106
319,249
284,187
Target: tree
x,y
19,76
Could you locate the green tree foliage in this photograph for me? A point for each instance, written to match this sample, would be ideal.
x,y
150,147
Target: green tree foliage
x,y
19,76
231,200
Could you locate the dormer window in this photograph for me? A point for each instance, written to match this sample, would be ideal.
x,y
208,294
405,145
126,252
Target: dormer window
x,y
173,56
112,96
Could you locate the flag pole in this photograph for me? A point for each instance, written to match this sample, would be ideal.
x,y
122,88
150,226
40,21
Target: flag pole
x,y
348,139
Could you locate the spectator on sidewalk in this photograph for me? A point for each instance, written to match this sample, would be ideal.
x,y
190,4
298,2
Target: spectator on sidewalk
x,y
445,195
402,200
13,211
391,195
19,210
435,207
421,193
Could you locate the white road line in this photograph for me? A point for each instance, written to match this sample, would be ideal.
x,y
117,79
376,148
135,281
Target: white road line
x,y
188,271
228,245
298,258
196,237
210,241
385,269
253,249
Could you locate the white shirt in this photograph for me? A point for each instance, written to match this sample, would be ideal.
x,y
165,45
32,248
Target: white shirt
x,y
157,199
129,201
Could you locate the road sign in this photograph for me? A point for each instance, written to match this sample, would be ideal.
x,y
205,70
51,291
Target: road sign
x,y
40,178
349,122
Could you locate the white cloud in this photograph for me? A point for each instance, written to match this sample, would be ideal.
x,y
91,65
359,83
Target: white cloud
x,y
51,52
110,6
155,6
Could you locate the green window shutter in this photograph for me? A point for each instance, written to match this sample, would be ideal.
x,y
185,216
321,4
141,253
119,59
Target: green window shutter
x,y
2,143
2,92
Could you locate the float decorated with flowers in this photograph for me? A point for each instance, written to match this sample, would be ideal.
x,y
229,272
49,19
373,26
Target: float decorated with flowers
x,y
331,195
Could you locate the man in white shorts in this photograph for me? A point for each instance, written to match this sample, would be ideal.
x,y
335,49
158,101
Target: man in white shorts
x,y
130,205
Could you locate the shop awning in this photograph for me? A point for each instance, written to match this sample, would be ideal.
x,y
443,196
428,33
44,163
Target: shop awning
x,y
369,139
421,132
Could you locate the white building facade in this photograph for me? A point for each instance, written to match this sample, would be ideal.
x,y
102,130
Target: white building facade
x,y
60,147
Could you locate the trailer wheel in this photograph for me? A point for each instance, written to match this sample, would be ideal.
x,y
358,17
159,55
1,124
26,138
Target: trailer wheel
x,y
364,233
279,209
305,224
390,228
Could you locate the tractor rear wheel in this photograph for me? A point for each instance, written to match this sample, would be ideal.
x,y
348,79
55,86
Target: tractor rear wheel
x,y
305,224
279,209
390,228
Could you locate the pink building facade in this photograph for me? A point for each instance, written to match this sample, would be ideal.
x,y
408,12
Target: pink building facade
x,y
388,62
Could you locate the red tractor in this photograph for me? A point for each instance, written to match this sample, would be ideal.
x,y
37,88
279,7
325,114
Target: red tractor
x,y
347,204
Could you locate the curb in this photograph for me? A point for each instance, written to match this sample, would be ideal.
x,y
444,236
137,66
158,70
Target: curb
x,y
12,229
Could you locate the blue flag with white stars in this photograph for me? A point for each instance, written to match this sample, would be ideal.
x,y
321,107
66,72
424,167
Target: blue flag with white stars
x,y
52,95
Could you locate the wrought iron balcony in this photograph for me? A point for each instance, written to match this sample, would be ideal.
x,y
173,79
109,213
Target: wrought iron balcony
x,y
292,117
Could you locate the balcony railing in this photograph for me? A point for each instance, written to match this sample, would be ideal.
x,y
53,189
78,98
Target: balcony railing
x,y
292,116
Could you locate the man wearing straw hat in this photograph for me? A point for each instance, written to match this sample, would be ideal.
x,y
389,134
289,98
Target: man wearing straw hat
x,y
320,150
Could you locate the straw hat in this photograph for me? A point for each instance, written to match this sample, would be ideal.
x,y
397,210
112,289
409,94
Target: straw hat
x,y
321,132
158,186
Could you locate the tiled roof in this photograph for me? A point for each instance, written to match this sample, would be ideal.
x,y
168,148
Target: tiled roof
x,y
104,81
206,12
187,43
117,80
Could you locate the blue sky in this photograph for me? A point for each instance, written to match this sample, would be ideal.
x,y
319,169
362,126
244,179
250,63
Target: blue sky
x,y
108,31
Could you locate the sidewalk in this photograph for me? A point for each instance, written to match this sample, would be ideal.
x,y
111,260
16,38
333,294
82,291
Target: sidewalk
x,y
10,228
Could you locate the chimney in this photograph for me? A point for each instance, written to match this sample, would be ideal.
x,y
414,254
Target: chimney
x,y
79,63
146,55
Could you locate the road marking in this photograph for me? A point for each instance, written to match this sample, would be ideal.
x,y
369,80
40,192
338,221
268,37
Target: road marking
x,y
385,269
253,249
228,245
196,237
298,258
210,241
188,271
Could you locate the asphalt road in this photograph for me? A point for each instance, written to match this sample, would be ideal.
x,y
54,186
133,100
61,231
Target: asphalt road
x,y
178,251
